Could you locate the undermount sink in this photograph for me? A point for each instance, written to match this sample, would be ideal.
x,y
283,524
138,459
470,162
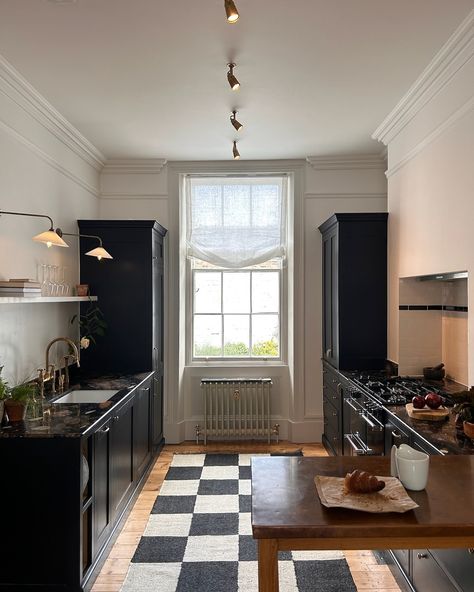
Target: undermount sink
x,y
87,396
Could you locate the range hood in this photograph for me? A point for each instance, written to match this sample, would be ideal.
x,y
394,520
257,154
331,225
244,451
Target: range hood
x,y
444,277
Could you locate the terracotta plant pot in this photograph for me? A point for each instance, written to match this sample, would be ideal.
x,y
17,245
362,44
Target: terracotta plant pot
x,y
469,429
16,411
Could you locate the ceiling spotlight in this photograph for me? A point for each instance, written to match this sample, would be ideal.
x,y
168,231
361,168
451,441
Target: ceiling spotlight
x,y
234,83
231,11
238,126
235,152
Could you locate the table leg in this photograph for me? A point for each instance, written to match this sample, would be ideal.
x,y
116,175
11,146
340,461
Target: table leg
x,y
267,565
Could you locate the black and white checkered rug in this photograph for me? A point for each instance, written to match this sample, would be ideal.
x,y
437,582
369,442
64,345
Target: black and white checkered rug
x,y
199,536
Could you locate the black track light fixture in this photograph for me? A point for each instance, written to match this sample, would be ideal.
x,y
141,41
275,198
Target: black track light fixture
x,y
235,151
234,83
238,126
231,11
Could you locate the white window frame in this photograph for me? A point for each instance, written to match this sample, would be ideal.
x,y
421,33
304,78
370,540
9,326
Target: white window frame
x,y
250,314
189,298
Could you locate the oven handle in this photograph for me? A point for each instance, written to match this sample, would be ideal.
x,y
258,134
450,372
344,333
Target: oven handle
x,y
351,405
355,445
375,426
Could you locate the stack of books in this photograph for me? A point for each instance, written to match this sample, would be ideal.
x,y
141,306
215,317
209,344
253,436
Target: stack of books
x,y
20,287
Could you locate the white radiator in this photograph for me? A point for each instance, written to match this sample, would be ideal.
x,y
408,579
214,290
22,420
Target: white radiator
x,y
236,408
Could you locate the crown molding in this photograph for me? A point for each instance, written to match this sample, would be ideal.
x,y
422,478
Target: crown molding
x,y
134,166
344,162
347,195
458,114
236,166
23,94
125,196
458,50
48,159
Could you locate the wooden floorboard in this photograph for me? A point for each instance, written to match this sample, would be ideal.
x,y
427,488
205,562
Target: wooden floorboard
x,y
368,574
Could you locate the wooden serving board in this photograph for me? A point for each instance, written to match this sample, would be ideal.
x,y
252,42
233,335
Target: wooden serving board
x,y
427,414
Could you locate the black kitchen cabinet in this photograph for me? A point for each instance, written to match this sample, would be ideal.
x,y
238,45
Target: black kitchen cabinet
x,y
355,290
428,575
130,295
332,412
142,421
68,492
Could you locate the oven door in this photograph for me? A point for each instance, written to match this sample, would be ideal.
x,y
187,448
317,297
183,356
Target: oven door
x,y
363,430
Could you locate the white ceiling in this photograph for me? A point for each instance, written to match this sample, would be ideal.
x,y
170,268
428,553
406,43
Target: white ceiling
x,y
147,78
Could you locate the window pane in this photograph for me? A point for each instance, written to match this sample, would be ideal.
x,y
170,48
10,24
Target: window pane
x,y
265,292
207,292
236,292
207,336
265,336
236,335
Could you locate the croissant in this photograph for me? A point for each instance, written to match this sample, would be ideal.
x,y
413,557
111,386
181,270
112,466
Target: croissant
x,y
362,482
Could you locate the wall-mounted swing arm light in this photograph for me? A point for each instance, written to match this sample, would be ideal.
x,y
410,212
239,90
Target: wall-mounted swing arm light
x,y
98,252
49,237
238,126
234,83
231,11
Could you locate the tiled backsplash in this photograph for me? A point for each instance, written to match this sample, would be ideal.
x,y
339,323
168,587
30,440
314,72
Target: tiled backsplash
x,y
433,326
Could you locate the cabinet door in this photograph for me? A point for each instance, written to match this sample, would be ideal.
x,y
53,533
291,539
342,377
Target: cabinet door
x,y
100,488
459,563
428,575
121,453
330,292
141,429
157,421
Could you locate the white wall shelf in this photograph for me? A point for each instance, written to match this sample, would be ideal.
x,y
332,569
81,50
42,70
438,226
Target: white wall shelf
x,y
35,299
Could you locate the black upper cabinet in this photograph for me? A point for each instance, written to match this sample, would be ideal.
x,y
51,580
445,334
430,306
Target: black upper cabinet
x,y
130,292
355,290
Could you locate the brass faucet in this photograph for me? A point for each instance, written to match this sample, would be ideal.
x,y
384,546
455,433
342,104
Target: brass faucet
x,y
48,373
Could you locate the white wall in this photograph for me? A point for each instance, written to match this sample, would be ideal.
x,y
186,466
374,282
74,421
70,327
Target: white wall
x,y
430,139
46,167
327,185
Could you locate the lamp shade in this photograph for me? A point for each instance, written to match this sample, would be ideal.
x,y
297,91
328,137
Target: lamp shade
x,y
100,253
50,238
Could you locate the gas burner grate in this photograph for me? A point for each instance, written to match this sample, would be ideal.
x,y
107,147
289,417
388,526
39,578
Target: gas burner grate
x,y
397,390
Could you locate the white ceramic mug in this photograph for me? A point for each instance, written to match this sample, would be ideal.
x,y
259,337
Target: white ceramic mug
x,y
412,467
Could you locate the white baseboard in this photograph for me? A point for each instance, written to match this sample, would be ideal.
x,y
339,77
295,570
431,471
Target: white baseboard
x,y
297,432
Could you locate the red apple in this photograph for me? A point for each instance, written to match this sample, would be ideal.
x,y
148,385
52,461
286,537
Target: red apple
x,y
433,400
418,402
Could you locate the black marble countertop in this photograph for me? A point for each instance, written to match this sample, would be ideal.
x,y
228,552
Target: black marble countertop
x,y
45,419
442,434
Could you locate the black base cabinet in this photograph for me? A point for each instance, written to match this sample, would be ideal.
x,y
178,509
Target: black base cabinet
x,y
332,410
56,522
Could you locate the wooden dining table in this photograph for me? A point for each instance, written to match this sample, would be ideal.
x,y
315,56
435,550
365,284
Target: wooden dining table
x,y
287,514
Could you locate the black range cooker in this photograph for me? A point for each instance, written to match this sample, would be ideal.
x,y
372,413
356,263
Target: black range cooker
x,y
365,395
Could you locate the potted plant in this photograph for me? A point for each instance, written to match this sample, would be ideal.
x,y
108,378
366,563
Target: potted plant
x,y
17,402
3,394
464,410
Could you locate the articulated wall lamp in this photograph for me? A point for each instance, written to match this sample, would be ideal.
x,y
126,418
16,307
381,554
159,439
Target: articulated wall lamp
x,y
231,11
98,252
235,152
234,83
49,237
238,126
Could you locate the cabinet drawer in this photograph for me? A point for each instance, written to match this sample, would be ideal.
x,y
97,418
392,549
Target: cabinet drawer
x,y
428,576
459,563
332,427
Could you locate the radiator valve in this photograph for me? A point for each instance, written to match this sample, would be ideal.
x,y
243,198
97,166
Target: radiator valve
x,y
276,431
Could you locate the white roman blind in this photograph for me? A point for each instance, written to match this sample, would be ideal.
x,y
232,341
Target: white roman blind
x,y
234,222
